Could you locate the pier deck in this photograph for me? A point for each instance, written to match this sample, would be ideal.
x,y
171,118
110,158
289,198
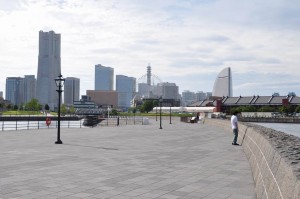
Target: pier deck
x,y
182,160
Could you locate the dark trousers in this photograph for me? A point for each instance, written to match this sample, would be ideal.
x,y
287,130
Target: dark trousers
x,y
236,134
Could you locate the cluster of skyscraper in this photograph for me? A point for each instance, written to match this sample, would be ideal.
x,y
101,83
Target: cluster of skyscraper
x,y
104,83
21,90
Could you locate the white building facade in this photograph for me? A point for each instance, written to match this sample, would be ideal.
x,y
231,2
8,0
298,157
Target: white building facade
x,y
223,84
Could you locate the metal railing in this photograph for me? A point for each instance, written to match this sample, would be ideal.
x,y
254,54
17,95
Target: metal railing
x,y
111,121
124,120
27,125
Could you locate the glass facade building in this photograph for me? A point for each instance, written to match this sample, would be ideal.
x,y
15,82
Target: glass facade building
x,y
71,90
15,90
126,88
29,88
104,78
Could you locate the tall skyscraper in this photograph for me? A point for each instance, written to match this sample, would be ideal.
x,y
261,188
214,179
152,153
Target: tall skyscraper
x,y
126,88
49,67
71,90
104,78
15,90
29,88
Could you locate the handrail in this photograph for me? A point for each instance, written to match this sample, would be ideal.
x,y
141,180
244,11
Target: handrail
x,y
27,125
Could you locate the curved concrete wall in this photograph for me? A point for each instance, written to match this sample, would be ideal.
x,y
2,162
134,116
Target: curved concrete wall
x,y
274,158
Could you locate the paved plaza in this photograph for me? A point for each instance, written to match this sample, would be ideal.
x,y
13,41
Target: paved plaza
x,y
182,160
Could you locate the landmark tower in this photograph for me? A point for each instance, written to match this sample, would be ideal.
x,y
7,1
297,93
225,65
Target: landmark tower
x,y
49,67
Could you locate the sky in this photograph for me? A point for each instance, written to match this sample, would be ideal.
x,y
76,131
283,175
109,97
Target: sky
x,y
187,42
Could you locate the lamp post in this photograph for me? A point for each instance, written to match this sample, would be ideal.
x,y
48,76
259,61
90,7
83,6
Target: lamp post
x,y
160,103
170,115
134,111
59,83
156,111
108,108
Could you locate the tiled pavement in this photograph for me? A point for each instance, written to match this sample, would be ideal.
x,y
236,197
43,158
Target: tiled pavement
x,y
182,160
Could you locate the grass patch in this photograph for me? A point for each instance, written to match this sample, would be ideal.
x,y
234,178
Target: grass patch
x,y
21,113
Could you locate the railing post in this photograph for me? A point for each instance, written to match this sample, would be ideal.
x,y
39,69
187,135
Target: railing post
x,y
16,125
28,125
38,124
3,125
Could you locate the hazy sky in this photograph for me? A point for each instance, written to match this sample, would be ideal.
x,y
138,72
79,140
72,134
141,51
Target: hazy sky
x,y
187,42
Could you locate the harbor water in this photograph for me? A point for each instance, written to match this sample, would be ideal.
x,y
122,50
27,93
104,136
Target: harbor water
x,y
288,128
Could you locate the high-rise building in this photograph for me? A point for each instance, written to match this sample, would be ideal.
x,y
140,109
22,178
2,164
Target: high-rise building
x,y
168,90
71,90
188,98
200,96
49,67
223,84
15,90
104,78
126,88
29,88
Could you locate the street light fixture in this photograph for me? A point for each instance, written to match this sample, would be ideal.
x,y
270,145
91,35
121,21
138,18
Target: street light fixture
x,y
59,83
160,103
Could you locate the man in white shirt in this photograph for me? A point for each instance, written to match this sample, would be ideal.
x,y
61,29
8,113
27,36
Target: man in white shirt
x,y
235,128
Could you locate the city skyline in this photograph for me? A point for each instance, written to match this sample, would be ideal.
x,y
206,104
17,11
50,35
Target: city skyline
x,y
186,42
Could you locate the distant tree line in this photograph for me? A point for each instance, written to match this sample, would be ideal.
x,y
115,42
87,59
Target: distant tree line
x,y
34,106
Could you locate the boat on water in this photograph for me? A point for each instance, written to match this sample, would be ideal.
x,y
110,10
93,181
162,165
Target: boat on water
x,y
92,120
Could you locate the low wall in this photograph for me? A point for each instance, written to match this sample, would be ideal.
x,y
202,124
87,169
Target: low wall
x,y
274,158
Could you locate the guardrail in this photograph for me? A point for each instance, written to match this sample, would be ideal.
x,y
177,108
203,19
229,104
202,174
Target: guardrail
x,y
124,120
27,125
22,123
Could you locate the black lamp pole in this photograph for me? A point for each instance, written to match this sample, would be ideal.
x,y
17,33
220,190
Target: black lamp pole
x,y
59,83
156,112
160,102
170,115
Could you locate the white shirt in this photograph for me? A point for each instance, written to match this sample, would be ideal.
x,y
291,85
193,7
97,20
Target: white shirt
x,y
234,121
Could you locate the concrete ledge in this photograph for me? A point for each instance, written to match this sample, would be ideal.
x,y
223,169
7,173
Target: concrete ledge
x,y
274,158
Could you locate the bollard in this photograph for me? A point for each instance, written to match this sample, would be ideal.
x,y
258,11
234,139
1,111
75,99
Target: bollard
x,y
118,121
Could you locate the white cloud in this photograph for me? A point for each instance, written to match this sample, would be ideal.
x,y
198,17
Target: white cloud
x,y
182,40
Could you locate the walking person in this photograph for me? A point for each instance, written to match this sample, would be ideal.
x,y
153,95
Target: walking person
x,y
235,128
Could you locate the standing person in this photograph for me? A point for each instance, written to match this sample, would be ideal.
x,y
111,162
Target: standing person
x,y
235,128
197,117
